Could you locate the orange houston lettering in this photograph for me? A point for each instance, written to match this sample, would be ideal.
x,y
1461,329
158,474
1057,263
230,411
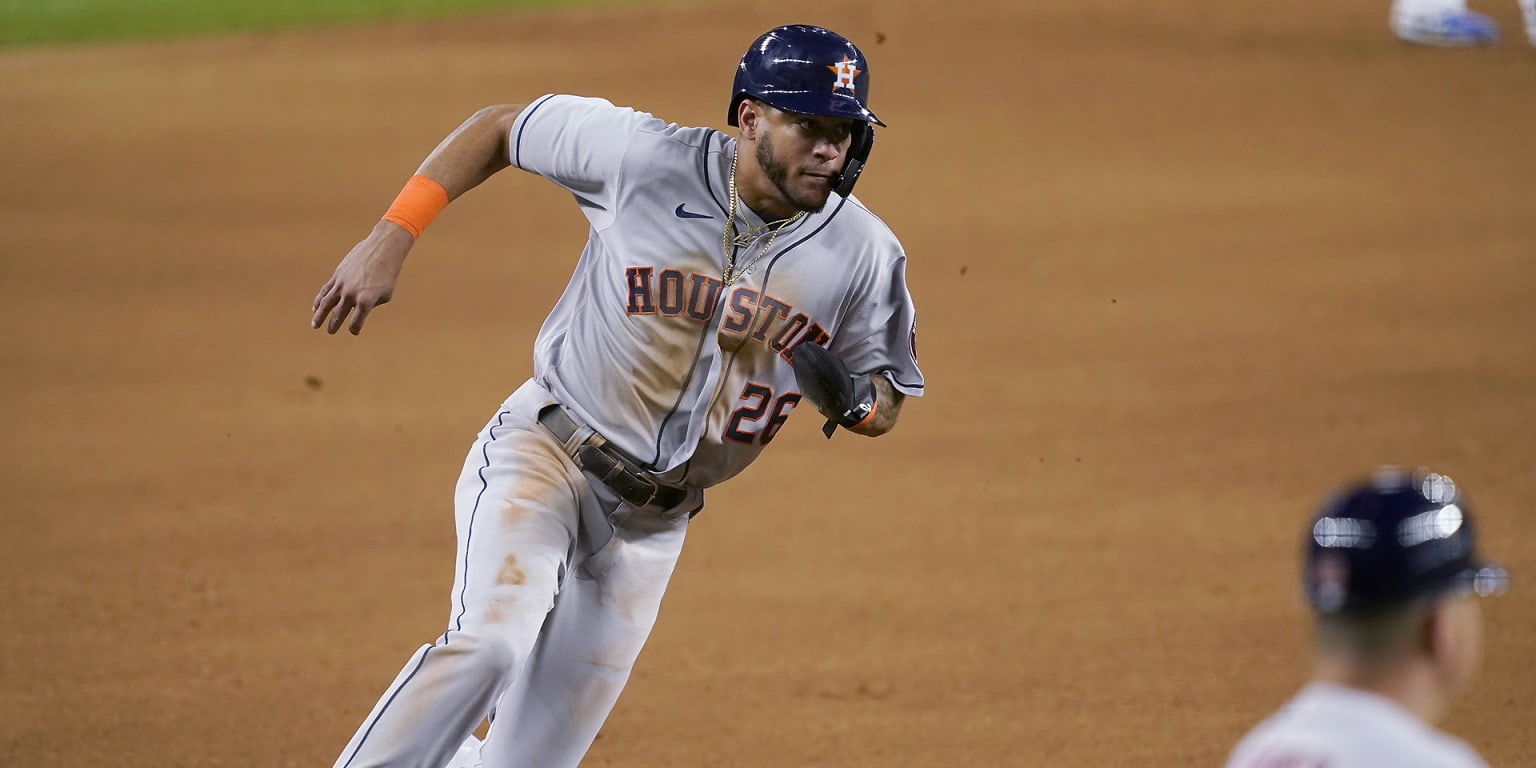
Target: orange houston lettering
x,y
703,295
742,302
699,296
774,308
670,292
790,331
815,335
639,279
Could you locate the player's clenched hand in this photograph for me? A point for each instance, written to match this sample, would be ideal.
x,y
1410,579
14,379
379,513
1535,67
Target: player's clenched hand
x,y
364,279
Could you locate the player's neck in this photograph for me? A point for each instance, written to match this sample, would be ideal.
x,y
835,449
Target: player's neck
x,y
759,193
768,207
766,217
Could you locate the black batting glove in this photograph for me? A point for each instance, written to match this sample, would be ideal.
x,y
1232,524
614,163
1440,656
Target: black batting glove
x,y
845,399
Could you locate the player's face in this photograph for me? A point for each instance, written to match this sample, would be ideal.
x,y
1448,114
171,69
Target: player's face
x,y
802,155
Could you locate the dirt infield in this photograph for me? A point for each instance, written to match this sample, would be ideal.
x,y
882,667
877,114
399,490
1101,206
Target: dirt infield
x,y
1180,269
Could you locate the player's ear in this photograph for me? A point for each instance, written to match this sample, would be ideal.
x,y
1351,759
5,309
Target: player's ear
x,y
1437,631
1457,636
748,113
1446,637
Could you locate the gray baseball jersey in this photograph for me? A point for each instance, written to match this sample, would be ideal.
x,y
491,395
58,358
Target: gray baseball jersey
x,y
1329,726
649,345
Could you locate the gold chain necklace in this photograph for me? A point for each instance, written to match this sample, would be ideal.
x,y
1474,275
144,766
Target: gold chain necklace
x,y
731,238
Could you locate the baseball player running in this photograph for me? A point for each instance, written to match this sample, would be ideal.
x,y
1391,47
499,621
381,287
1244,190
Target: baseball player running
x,y
724,281
1392,579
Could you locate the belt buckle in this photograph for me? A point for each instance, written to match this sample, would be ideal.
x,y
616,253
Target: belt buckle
x,y
649,497
614,472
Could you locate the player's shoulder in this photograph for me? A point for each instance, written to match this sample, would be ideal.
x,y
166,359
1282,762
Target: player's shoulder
x,y
649,141
1326,725
1450,752
663,134
855,224
1274,741
571,109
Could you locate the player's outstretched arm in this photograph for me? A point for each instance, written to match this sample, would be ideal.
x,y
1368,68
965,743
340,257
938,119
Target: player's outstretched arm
x,y
366,276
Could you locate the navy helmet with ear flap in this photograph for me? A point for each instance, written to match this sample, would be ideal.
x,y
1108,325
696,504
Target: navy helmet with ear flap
x,y
812,71
805,69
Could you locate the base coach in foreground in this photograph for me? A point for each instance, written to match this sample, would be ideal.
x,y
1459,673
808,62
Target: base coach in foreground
x,y
1393,578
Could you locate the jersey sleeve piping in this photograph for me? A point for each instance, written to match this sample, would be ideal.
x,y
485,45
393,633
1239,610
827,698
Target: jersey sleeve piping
x,y
706,151
915,390
522,123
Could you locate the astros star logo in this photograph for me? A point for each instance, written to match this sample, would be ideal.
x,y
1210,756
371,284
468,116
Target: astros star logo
x,y
846,70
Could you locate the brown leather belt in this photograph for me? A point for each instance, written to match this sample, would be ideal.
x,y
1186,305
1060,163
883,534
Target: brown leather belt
x,y
593,454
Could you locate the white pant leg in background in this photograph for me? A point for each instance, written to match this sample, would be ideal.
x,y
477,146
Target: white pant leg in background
x,y
551,714
519,507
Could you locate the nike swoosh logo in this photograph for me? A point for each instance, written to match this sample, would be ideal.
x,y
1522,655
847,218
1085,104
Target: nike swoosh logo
x,y
682,214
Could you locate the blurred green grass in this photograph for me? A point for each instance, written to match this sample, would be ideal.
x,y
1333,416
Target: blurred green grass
x,y
53,22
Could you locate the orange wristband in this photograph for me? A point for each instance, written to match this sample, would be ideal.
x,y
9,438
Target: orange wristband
x,y
418,204
873,409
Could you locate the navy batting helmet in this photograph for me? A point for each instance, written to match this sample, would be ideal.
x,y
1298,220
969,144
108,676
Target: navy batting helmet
x,y
812,71
805,69
1393,538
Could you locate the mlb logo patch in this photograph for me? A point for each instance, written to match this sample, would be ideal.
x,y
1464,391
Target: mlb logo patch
x,y
846,70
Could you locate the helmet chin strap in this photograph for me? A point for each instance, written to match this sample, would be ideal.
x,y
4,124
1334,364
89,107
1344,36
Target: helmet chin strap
x,y
858,154
843,184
